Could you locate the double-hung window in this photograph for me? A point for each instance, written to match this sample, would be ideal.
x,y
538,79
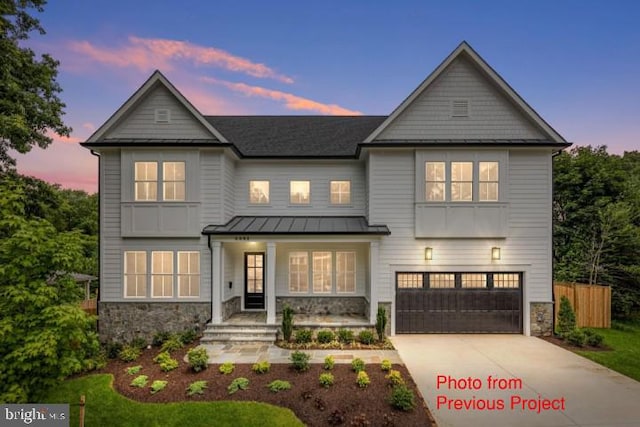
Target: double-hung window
x,y
340,192
188,274
259,192
461,181
173,181
162,274
298,272
345,272
146,181
435,180
135,274
322,282
300,192
488,180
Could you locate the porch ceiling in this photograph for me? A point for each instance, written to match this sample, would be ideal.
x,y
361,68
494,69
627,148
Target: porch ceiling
x,y
300,225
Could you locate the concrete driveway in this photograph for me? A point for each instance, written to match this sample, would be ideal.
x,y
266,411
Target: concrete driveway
x,y
532,383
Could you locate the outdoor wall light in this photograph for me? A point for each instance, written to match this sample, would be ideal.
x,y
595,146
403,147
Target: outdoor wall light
x,y
428,254
495,253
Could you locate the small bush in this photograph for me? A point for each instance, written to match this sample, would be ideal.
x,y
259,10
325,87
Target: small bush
x,y
172,344
139,342
381,322
133,370
366,337
159,338
300,361
363,379
226,368
240,383
395,377
188,336
278,385
112,349
158,385
326,380
593,338
129,353
196,387
261,367
198,359
402,398
357,364
329,361
345,336
287,323
385,365
166,362
325,337
566,318
140,381
576,337
304,336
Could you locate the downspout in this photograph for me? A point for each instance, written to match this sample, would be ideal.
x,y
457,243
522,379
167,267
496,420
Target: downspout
x,y
99,296
210,273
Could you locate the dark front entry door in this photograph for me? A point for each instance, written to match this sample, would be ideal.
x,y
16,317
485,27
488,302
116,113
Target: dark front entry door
x,y
254,280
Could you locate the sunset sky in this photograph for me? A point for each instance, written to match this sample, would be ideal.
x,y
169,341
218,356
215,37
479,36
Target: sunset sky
x,y
577,63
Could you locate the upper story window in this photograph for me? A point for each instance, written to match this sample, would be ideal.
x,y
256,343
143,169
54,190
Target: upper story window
x,y
461,181
135,274
488,181
146,181
173,181
435,180
259,192
299,192
340,192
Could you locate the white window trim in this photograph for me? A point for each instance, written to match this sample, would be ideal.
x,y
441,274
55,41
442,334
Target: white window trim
x,y
331,272
355,272
178,274
159,112
350,193
309,284
292,203
268,202
473,182
125,273
480,182
172,275
165,181
136,181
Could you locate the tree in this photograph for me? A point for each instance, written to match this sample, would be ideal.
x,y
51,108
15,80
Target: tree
x,y
29,102
44,335
566,317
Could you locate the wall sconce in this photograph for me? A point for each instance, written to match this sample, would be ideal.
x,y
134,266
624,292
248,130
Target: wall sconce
x,y
428,254
230,285
495,253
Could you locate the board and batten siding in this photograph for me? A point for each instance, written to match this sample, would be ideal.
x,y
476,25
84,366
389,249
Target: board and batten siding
x,y
491,115
319,173
140,122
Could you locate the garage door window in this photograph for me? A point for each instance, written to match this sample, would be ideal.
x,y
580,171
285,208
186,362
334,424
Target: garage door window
x,y
442,280
410,280
506,280
473,280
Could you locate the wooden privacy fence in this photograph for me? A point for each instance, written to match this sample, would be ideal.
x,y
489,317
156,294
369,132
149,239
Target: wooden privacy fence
x,y
90,305
591,303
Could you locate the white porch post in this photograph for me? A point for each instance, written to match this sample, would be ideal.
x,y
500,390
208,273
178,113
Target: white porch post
x,y
373,280
271,283
216,282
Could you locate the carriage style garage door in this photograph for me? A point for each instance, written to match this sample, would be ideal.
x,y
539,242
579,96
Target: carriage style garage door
x,y
458,302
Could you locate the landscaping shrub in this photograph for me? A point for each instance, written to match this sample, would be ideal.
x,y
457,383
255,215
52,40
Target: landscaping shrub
x,y
172,344
239,383
278,385
300,360
402,398
198,359
345,336
576,337
113,349
158,385
381,323
166,362
304,336
188,336
329,361
287,323
385,365
337,417
133,370
129,353
395,377
226,368
196,387
366,337
326,380
261,367
593,338
357,364
140,381
363,379
139,342
159,338
325,337
566,318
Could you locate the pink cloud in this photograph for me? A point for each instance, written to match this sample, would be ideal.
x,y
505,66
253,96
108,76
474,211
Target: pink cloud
x,y
149,54
89,126
291,101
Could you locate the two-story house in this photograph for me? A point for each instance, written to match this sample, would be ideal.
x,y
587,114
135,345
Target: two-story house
x,y
439,212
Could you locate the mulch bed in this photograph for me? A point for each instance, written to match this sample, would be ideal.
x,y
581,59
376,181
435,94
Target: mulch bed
x,y
564,344
311,403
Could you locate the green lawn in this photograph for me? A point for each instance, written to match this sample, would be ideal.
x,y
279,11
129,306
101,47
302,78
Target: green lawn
x,y
625,357
105,407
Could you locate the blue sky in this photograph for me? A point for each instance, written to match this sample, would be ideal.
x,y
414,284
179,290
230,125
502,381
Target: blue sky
x,y
576,62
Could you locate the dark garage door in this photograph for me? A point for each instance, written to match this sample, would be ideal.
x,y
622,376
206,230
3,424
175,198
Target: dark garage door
x,y
458,302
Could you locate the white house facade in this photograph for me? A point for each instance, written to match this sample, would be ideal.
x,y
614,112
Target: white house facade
x,y
439,212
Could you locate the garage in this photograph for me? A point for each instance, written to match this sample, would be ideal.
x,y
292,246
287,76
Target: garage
x,y
458,302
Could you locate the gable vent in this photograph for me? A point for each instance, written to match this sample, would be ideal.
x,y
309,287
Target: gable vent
x,y
162,115
460,108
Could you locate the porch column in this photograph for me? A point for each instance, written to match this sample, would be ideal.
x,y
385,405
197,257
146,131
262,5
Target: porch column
x,y
373,280
271,283
216,282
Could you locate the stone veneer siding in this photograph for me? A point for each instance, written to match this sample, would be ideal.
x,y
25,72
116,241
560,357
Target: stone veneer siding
x,y
541,318
124,321
230,306
324,305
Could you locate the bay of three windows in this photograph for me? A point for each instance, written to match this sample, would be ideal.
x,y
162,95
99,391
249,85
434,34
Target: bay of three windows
x,y
162,277
454,181
300,192
314,271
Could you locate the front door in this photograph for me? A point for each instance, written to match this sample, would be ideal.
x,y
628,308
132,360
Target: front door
x,y
254,280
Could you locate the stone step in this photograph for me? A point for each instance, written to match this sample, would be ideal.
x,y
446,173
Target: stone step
x,y
240,333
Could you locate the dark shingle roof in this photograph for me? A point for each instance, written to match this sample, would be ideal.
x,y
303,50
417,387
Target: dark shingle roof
x,y
296,136
297,225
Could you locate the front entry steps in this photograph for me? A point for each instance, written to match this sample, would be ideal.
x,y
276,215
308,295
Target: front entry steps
x,y
240,333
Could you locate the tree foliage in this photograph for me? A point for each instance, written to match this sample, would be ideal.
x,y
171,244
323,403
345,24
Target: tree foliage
x,y
29,102
44,335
